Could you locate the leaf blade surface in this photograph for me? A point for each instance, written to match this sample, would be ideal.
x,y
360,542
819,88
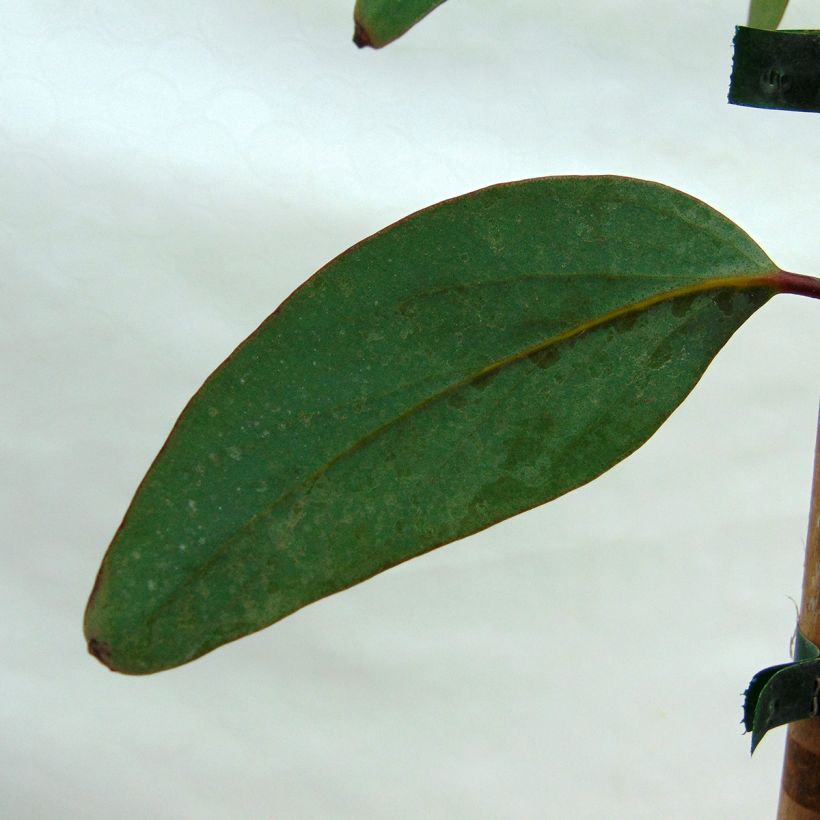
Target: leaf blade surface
x,y
470,362
766,14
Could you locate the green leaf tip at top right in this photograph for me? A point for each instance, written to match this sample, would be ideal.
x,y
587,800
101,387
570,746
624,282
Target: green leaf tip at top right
x,y
766,14
379,22
470,362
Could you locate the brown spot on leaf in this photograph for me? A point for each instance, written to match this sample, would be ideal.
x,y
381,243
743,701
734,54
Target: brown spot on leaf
x,y
726,302
682,305
100,650
545,358
661,356
484,380
360,36
625,323
456,400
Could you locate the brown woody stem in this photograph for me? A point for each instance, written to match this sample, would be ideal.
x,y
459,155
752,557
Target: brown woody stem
x,y
800,787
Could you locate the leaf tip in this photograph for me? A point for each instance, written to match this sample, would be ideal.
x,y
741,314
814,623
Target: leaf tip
x,y
101,651
361,37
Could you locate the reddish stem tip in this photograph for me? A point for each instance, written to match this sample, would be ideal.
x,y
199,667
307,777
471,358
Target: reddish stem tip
x,y
797,283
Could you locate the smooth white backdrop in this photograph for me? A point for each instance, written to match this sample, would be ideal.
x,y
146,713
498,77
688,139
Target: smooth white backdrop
x,y
168,174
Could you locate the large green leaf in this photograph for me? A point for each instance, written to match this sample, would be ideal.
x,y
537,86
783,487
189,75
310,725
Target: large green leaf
x,y
379,22
472,361
766,13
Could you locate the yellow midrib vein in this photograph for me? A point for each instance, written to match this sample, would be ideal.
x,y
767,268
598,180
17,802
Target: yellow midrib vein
x,y
738,283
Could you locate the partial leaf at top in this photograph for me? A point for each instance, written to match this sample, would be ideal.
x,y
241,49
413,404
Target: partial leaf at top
x,y
766,13
379,22
470,362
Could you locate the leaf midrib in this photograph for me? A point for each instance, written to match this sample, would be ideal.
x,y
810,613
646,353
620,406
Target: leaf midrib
x,y
737,282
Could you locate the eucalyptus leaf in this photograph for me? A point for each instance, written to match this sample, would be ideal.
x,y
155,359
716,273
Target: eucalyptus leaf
x,y
379,22
776,69
784,693
470,362
766,13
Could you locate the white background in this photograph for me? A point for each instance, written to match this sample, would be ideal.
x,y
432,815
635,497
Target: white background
x,y
169,172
